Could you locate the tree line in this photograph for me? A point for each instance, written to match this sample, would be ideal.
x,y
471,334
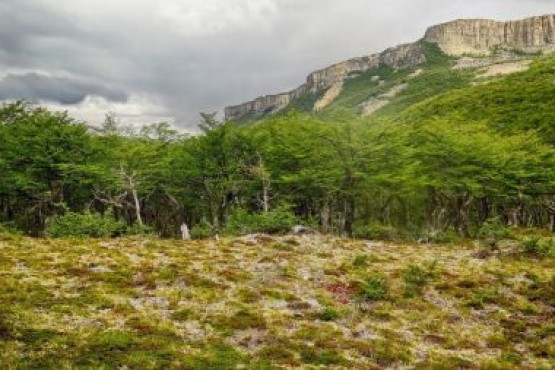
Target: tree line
x,y
341,175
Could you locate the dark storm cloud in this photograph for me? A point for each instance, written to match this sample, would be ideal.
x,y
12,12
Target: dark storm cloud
x,y
180,57
63,90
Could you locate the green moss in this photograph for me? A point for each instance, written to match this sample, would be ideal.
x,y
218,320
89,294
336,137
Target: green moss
x,y
241,320
445,363
384,353
317,356
183,314
278,354
483,296
219,356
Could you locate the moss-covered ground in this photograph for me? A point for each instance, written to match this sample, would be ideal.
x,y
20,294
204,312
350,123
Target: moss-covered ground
x,y
269,302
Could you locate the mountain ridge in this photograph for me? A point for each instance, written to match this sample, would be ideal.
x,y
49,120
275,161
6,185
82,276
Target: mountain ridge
x,y
454,38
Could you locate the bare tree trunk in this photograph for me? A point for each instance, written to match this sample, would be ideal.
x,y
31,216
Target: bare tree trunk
x,y
513,217
266,183
265,196
137,207
131,184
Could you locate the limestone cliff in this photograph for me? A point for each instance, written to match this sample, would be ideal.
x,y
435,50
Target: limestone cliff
x,y
402,56
481,35
454,38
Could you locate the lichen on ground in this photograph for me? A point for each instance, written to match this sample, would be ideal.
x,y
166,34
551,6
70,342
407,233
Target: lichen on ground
x,y
271,302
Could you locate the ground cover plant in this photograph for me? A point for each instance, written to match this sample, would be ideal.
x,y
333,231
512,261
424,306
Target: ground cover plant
x,y
273,302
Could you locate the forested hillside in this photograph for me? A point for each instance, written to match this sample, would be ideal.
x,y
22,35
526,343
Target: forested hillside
x,y
450,151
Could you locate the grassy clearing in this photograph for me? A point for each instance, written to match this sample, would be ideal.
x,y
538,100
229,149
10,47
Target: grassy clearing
x,y
272,302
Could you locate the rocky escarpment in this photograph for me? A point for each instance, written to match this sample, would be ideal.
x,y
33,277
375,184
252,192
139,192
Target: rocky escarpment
x,y
481,35
473,36
402,56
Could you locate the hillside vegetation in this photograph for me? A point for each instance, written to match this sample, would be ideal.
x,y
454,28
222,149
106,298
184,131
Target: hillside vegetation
x,y
512,104
448,152
270,302
431,79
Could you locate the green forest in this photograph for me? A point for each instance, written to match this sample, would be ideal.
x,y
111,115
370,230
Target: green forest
x,y
439,162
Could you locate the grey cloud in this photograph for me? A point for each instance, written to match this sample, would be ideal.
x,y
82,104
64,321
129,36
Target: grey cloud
x,y
131,45
63,90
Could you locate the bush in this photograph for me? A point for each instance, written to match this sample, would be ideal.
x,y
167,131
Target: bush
x,y
328,314
361,261
203,230
280,219
376,231
84,225
538,247
9,228
416,278
8,234
374,288
441,237
137,229
494,229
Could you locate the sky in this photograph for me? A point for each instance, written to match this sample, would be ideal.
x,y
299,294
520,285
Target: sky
x,y
168,60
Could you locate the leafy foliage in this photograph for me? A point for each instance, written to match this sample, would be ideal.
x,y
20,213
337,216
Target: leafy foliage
x,y
416,278
374,288
539,247
441,159
376,231
84,225
494,229
280,219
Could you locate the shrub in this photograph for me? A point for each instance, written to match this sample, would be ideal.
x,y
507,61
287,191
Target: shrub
x,y
137,229
416,278
374,288
538,247
361,261
203,230
494,229
84,225
328,314
278,220
483,296
376,231
9,232
9,228
445,236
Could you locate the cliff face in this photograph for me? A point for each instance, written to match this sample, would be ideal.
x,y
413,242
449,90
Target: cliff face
x,y
480,35
402,56
454,38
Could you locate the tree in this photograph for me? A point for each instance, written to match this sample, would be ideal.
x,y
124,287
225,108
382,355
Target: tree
x,y
45,158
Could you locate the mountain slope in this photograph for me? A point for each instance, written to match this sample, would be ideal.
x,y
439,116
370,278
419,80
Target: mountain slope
x,y
518,102
446,58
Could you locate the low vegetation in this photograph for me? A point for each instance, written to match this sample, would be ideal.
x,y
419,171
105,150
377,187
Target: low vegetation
x,y
144,303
